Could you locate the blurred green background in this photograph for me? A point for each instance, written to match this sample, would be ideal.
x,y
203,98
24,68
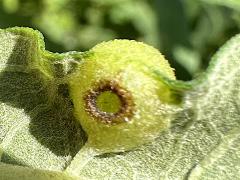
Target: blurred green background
x,y
187,32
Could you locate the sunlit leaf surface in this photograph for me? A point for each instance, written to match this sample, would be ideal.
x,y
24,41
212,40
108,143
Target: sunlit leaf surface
x,y
38,128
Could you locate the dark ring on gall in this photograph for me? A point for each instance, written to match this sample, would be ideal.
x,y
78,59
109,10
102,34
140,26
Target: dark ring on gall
x,y
126,110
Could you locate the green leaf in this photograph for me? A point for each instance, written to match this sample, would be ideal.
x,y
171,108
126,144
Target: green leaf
x,y
235,4
211,112
174,31
10,172
223,162
38,128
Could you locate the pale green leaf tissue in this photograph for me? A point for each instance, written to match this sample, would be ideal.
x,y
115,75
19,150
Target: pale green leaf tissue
x,y
42,131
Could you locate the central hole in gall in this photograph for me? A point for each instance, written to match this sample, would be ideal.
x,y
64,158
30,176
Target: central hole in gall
x,y
108,102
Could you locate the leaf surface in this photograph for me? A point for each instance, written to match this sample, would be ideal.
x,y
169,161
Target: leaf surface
x,y
211,112
17,172
223,162
38,129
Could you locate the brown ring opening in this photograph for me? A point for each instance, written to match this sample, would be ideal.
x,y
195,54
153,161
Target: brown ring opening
x,y
125,111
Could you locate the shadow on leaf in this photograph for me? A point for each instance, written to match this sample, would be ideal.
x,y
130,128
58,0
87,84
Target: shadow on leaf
x,y
49,119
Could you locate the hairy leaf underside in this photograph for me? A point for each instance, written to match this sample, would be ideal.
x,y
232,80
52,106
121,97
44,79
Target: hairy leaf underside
x,y
38,129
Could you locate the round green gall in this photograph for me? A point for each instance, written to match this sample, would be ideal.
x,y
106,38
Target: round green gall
x,y
117,99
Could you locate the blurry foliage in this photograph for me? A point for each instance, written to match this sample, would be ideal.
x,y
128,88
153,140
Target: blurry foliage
x,y
187,32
